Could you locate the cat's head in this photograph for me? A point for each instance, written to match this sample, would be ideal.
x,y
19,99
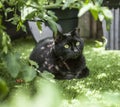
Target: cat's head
x,y
69,45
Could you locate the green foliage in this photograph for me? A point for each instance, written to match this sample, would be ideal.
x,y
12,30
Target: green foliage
x,y
12,64
19,68
97,11
28,73
5,42
30,9
48,76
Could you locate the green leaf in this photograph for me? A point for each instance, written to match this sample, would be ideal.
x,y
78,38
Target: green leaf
x,y
39,25
33,63
53,25
108,24
98,44
29,73
47,75
1,5
19,26
3,89
52,15
108,16
31,15
84,9
94,11
23,28
4,39
87,1
67,3
13,64
16,18
8,10
5,42
101,17
107,13
59,1
5,49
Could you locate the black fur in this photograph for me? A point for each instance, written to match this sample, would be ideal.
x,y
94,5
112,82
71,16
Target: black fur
x,y
64,58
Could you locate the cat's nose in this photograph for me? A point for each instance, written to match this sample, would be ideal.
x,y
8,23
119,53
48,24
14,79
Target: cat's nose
x,y
75,49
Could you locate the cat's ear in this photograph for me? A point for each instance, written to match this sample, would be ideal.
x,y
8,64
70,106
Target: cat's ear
x,y
58,37
78,31
75,32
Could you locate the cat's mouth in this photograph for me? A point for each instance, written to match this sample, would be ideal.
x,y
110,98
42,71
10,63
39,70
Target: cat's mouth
x,y
72,56
75,56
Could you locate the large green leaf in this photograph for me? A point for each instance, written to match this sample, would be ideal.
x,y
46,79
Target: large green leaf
x,y
108,16
31,15
94,11
52,15
52,24
107,13
39,25
84,9
1,5
28,73
5,42
47,75
101,17
13,64
33,63
67,3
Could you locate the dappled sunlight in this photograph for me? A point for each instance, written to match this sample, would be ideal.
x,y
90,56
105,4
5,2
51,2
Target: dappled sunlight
x,y
94,98
101,49
102,75
48,94
111,98
90,47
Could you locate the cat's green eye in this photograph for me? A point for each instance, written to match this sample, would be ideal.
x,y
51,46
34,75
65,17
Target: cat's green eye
x,y
77,43
66,46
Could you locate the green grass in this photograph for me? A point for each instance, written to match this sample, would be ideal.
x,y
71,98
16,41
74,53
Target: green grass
x,y
100,89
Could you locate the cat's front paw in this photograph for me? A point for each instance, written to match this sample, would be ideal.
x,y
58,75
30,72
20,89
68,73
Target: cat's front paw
x,y
69,76
83,73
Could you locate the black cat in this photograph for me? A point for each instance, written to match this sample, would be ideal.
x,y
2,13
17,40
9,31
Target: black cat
x,y
63,56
